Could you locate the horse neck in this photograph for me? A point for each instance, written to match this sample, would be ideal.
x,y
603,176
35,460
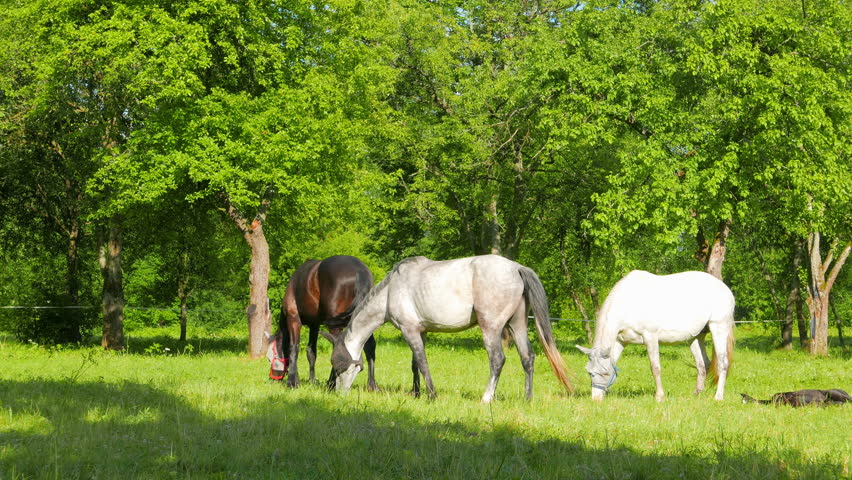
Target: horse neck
x,y
366,319
605,332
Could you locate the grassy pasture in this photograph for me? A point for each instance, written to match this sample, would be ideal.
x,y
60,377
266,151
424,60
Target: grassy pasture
x,y
166,410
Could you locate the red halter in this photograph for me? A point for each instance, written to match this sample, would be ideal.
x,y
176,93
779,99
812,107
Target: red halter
x,y
275,359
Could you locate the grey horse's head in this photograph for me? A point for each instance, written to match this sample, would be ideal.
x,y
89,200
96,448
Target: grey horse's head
x,y
601,369
343,367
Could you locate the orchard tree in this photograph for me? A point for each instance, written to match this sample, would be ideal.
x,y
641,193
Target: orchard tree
x,y
495,134
280,101
79,79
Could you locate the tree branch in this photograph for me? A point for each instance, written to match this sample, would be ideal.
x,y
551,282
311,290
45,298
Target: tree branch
x,y
837,266
234,213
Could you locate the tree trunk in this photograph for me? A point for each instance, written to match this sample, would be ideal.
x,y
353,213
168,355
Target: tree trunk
x,y
258,313
113,291
793,299
493,227
715,253
839,322
183,292
71,330
804,337
587,322
818,308
593,294
574,296
819,289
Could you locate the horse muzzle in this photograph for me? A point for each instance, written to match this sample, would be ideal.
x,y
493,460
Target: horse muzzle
x,y
598,393
346,378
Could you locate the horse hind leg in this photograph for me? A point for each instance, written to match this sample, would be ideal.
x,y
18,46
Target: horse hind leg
x,y
494,346
518,327
313,334
701,362
723,345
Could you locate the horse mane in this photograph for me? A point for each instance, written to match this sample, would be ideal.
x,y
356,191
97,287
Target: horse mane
x,y
381,285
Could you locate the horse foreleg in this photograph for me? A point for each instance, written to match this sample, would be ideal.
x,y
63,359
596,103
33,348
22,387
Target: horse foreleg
x,y
653,346
701,362
415,377
293,330
417,342
370,353
313,335
496,358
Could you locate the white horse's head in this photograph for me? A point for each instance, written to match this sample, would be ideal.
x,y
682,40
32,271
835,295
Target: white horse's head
x,y
344,368
601,369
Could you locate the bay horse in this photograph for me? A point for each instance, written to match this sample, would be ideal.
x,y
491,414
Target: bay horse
x,y
320,293
653,309
421,295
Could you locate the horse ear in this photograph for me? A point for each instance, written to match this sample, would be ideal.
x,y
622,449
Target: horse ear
x,y
268,335
585,350
328,336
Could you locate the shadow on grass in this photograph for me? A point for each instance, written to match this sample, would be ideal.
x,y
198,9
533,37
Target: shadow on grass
x,y
132,430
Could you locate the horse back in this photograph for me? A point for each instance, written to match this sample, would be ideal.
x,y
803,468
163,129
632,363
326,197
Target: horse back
x,y
301,297
674,306
343,282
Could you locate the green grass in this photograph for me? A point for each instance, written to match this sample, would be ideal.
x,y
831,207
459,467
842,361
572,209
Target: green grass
x,y
207,411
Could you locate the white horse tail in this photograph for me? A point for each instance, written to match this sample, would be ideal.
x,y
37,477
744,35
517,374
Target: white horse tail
x,y
730,350
537,299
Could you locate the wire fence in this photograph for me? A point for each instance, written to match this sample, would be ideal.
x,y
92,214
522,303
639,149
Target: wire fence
x,y
234,310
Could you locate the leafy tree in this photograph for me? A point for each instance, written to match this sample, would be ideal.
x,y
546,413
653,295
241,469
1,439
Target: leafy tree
x,y
272,118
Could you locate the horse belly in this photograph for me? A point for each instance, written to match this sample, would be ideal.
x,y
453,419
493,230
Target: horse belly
x,y
449,319
667,332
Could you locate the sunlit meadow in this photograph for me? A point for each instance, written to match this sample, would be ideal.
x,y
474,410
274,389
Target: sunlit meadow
x,y
203,409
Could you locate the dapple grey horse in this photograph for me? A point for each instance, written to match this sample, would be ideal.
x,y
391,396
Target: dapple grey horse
x,y
421,295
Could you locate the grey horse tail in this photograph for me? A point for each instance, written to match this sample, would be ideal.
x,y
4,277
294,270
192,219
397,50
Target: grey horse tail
x,y
537,299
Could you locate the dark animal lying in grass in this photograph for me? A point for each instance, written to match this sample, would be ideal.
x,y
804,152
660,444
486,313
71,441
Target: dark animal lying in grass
x,y
804,397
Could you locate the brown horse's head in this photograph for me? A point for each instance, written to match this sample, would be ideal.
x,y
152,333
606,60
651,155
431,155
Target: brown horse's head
x,y
276,356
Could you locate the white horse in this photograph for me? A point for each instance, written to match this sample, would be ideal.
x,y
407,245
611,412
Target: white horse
x,y
652,309
420,295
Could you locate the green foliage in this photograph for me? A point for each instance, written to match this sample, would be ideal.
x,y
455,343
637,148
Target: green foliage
x,y
583,140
